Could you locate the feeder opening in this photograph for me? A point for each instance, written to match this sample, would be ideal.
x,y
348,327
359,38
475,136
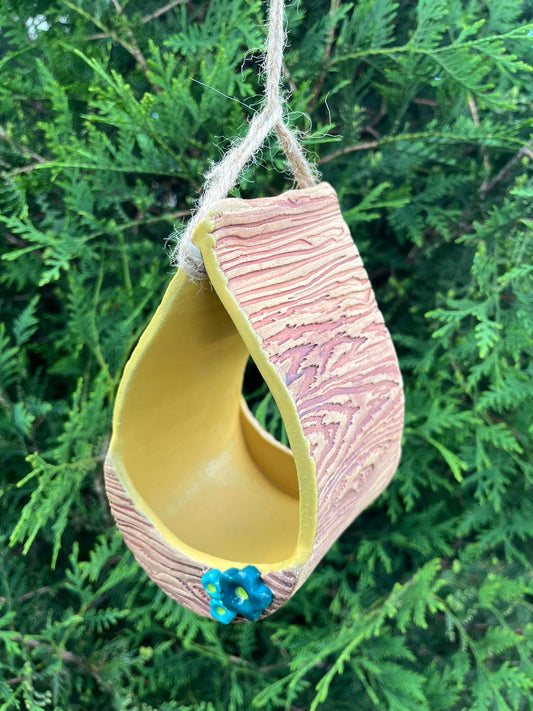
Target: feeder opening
x,y
191,449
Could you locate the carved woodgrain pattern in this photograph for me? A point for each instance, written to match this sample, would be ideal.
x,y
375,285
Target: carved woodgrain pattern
x,y
175,573
292,266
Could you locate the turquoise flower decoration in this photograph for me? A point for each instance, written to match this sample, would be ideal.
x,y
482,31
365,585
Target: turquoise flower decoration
x,y
221,613
211,583
237,592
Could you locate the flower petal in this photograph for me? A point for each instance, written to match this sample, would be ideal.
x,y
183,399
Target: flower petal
x,y
221,613
211,583
244,592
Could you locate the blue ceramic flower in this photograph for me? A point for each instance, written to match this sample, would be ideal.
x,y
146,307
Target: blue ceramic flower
x,y
235,592
221,613
211,583
244,592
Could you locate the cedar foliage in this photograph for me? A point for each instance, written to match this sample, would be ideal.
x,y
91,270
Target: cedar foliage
x,y
110,113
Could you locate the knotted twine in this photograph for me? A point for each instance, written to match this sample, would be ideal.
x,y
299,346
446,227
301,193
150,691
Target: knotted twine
x,y
224,175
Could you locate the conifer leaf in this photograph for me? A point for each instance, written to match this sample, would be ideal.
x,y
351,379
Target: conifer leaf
x,y
456,464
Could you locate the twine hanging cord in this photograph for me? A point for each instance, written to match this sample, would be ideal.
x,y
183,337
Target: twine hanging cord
x,y
224,175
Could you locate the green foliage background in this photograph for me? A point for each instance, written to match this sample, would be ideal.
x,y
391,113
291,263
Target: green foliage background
x,y
420,117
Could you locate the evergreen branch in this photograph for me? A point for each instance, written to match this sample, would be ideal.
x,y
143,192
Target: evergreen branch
x,y
162,10
475,117
486,187
122,90
416,136
67,656
363,146
94,341
72,165
29,595
326,56
131,47
21,148
135,50
413,49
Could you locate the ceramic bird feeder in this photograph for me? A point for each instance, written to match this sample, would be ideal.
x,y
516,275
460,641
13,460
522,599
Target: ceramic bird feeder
x,y
225,519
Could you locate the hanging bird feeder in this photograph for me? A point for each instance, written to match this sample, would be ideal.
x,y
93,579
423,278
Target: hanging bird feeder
x,y
225,519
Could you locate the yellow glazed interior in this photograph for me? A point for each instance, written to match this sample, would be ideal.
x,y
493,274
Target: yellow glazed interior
x,y
189,453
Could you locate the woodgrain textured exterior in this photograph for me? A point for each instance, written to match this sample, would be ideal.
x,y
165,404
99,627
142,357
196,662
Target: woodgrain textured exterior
x,y
288,266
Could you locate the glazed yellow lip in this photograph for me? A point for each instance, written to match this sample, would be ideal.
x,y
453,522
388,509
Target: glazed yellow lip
x,y
189,453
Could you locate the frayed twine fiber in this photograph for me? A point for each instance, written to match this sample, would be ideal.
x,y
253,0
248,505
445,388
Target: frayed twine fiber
x,y
224,175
